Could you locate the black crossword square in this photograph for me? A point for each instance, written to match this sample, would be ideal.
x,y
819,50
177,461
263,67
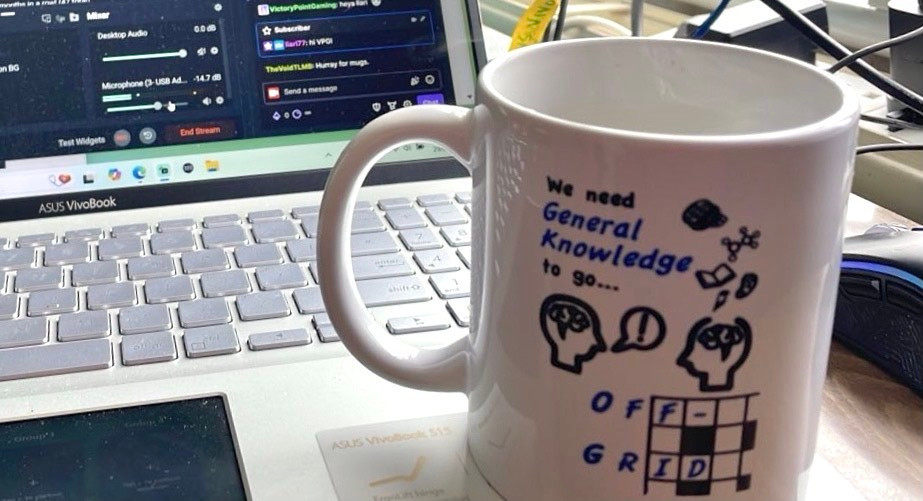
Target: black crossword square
x,y
697,440
743,483
748,439
702,488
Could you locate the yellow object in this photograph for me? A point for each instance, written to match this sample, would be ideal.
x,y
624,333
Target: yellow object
x,y
212,165
531,26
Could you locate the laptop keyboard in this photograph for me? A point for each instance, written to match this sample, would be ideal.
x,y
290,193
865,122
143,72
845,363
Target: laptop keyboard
x,y
143,293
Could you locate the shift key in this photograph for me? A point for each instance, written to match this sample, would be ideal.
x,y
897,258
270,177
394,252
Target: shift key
x,y
64,358
390,291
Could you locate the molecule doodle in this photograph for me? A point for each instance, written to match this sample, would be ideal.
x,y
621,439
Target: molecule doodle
x,y
747,239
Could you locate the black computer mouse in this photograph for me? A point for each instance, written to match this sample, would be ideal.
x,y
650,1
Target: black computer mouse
x,y
879,311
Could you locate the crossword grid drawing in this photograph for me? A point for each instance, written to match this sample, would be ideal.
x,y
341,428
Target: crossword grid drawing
x,y
697,446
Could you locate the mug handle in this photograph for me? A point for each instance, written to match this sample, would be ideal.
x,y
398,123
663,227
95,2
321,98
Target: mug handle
x,y
433,369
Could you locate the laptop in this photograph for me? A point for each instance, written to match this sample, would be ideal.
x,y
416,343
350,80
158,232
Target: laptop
x,y
161,164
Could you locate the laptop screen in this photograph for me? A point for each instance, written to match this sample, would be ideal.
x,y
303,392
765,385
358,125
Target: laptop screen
x,y
111,97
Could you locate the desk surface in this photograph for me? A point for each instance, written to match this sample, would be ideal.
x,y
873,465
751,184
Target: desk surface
x,y
871,428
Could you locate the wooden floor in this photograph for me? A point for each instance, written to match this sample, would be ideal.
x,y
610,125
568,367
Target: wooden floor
x,y
871,429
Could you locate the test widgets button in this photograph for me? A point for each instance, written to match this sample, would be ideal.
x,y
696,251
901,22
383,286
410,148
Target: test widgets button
x,y
205,131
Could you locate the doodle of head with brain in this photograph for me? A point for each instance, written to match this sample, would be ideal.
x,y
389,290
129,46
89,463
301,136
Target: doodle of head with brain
x,y
572,329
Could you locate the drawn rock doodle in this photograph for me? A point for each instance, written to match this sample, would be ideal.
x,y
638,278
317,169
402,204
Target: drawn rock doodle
x,y
703,214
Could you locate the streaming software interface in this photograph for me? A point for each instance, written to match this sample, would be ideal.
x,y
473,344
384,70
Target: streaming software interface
x,y
108,94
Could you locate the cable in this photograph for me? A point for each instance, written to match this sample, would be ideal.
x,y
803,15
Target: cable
x,y
894,89
559,26
703,28
871,49
875,148
893,122
637,17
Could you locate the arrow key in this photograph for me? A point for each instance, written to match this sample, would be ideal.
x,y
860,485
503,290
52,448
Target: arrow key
x,y
422,323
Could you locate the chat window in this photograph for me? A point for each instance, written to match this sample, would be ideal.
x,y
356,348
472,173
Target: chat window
x,y
341,64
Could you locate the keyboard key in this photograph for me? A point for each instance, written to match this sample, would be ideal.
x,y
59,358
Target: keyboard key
x,y
390,291
83,236
120,248
221,220
452,285
457,235
55,359
423,323
9,306
326,334
25,332
95,273
71,253
16,259
279,339
384,266
283,276
41,239
431,200
460,310
83,325
225,283
301,212
403,219
437,261
105,297
463,197
150,267
210,341
266,232
262,305
144,319
302,250
394,203
250,256
151,348
131,230
308,301
366,221
468,209
176,224
366,244
381,266
321,319
172,241
445,215
204,312
266,215
465,254
37,279
362,205
169,290
309,225
53,302
205,261
420,239
225,236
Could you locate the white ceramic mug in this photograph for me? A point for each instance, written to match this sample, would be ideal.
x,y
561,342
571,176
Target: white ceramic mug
x,y
657,228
